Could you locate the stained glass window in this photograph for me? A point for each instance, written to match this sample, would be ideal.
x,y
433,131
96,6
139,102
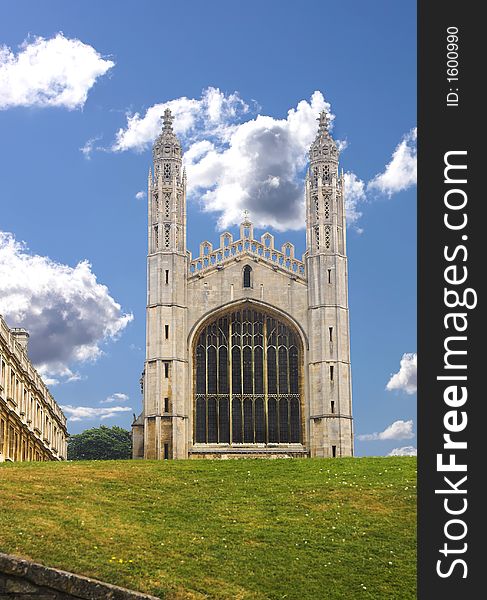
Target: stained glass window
x,y
247,389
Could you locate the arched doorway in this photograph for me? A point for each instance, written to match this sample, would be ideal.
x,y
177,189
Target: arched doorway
x,y
247,380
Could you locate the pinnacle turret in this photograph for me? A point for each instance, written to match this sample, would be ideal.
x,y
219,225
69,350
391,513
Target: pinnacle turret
x,y
324,147
167,145
324,122
167,120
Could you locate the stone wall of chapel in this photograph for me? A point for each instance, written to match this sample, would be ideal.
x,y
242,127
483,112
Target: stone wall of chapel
x,y
215,288
183,293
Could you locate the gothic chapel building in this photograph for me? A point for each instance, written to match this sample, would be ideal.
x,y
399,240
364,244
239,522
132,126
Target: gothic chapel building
x,y
248,347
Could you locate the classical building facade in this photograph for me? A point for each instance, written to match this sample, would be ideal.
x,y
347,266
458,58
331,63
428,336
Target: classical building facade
x,y
248,347
32,425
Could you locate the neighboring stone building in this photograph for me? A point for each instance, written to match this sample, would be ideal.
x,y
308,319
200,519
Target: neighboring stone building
x,y
32,426
248,349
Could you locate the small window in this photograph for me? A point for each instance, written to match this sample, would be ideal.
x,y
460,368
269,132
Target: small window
x,y
334,451
330,329
331,372
247,276
166,451
329,275
166,331
167,276
166,405
332,407
166,370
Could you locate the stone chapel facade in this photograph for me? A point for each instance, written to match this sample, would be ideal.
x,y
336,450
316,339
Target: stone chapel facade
x,y
248,347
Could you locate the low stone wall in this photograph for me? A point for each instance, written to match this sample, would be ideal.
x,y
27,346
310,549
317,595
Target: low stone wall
x,y
25,580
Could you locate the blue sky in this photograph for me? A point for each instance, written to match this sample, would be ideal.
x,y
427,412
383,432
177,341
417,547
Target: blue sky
x,y
73,158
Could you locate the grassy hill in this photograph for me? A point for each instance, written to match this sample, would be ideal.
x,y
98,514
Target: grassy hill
x,y
237,529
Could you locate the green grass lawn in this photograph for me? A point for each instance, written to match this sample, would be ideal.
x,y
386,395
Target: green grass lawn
x,y
237,529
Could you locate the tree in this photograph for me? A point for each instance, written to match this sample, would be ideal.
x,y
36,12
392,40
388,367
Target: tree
x,y
100,443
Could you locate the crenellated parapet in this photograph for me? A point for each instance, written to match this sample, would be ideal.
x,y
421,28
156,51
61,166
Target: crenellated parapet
x,y
263,250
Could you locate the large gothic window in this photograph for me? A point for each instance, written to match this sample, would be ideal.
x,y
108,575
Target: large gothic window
x,y
247,387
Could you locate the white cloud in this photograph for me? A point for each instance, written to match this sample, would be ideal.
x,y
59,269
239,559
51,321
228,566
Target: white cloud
x,y
406,378
399,430
404,451
86,413
257,164
56,374
49,381
354,194
117,397
140,195
66,311
257,167
211,115
401,172
90,146
49,72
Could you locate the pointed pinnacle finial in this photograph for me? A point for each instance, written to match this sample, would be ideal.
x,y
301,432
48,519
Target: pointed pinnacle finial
x,y
324,122
167,119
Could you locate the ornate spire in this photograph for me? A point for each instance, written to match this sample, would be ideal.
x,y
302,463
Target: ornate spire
x,y
167,120
324,146
167,145
246,220
246,227
324,122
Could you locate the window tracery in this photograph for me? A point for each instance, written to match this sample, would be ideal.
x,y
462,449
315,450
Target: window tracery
x,y
315,177
167,205
327,237
247,381
326,206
